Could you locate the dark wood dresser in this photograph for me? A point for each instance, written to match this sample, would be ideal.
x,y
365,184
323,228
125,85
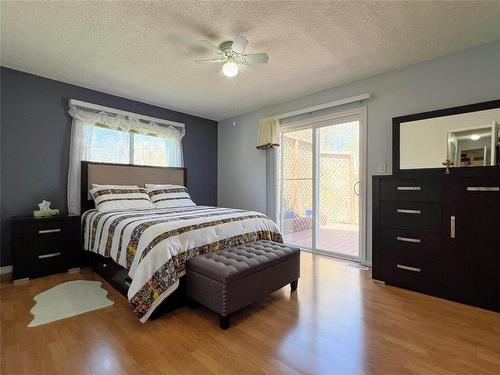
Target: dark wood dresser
x,y
439,236
45,246
436,221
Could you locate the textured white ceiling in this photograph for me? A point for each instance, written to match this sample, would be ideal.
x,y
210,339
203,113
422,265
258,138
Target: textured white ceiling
x,y
145,50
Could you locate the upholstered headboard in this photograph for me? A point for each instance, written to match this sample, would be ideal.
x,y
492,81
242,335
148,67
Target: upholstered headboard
x,y
125,174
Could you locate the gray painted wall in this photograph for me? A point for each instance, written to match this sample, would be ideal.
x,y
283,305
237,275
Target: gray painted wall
x,y
35,133
467,77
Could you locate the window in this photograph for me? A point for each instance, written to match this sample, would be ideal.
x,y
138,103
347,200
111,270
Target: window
x,y
116,146
107,145
150,150
102,134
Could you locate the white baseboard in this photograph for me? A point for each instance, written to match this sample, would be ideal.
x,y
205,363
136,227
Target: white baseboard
x,y
5,270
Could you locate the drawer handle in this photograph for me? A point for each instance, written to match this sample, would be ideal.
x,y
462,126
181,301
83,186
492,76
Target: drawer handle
x,y
404,211
483,188
45,231
408,268
452,226
51,255
410,188
408,239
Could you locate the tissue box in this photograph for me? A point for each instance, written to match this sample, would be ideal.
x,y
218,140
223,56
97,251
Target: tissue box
x,y
45,213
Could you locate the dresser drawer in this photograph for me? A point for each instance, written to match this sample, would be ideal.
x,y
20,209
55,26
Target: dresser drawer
x,y
422,276
414,245
412,190
411,215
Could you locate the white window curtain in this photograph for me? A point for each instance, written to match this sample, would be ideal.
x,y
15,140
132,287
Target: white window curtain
x,y
82,136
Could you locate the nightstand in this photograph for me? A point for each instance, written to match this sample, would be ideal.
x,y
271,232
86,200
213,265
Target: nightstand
x,y
45,246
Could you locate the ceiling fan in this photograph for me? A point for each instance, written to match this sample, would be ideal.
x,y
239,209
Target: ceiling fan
x,y
232,54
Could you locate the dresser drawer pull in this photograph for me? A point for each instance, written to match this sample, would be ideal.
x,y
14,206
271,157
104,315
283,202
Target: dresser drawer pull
x,y
408,268
483,188
408,239
413,212
45,231
409,188
51,255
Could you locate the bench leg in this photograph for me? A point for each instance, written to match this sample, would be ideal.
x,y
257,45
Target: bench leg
x,y
193,304
224,321
294,285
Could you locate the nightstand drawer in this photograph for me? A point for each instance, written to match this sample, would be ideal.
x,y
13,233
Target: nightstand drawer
x,y
411,215
45,246
50,262
42,236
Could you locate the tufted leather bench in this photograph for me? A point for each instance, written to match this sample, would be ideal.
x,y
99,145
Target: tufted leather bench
x,y
230,279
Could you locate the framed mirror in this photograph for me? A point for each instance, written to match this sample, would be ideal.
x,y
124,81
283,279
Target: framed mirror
x,y
466,138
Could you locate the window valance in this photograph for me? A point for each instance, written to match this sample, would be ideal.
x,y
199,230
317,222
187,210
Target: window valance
x,y
269,133
125,123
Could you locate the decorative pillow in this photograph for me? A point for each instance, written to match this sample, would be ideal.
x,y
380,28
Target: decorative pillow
x,y
120,197
114,186
164,196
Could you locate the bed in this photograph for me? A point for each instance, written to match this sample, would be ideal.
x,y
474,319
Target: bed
x,y
143,253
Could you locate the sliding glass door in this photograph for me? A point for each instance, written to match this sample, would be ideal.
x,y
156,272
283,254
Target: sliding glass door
x,y
339,189
321,185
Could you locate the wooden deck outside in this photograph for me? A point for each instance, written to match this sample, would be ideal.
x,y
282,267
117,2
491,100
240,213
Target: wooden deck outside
x,y
333,237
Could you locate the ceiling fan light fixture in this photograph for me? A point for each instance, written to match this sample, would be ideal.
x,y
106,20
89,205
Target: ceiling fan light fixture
x,y
231,54
230,69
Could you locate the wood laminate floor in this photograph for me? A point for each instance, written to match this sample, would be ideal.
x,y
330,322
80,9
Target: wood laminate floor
x,y
339,322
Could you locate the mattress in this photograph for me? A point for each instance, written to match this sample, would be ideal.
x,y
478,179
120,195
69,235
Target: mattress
x,y
154,245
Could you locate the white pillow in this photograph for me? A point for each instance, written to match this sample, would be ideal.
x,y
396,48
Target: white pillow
x,y
121,197
114,186
164,186
168,195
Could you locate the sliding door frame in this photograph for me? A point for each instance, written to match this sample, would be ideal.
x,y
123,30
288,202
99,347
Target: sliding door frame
x,y
274,191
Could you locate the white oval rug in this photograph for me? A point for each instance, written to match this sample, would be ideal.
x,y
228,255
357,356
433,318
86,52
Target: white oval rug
x,y
68,299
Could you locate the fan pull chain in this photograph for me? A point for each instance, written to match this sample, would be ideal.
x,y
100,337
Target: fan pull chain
x,y
234,99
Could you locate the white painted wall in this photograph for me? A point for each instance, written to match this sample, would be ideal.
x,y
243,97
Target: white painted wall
x,y
467,77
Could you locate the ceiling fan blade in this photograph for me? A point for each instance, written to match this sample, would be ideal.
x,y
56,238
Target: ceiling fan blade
x,y
239,44
209,45
208,61
256,58
247,66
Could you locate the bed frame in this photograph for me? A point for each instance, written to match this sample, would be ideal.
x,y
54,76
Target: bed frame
x,y
126,174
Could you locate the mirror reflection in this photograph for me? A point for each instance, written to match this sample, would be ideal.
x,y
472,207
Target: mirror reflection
x,y
467,140
471,148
